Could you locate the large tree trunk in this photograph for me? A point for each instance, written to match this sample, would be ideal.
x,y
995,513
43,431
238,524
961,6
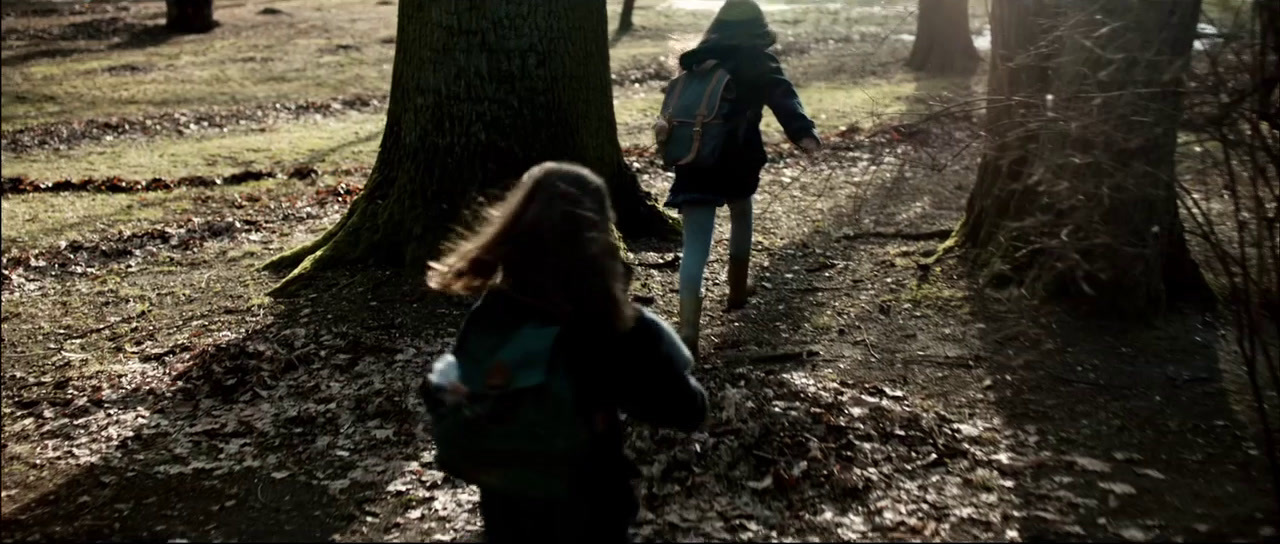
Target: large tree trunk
x,y
480,91
189,16
624,21
943,46
1076,193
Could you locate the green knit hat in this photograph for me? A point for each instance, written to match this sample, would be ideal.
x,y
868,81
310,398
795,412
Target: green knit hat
x,y
740,22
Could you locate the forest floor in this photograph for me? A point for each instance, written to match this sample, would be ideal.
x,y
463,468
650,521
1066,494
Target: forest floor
x,y
151,390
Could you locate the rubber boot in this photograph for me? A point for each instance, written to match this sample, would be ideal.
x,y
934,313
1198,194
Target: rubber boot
x,y
690,323
739,289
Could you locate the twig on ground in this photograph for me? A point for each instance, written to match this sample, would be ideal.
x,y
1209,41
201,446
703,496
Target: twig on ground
x,y
1087,382
935,234
107,326
667,264
775,356
940,360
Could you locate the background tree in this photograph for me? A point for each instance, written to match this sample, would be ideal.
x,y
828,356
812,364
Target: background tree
x,y
624,21
1076,192
189,16
480,91
943,45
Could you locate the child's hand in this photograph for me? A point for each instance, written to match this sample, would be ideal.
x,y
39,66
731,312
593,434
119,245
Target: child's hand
x,y
810,145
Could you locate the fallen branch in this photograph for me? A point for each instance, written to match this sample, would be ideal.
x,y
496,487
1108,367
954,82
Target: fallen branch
x,y
818,288
668,264
775,356
936,234
1087,382
867,340
110,324
940,360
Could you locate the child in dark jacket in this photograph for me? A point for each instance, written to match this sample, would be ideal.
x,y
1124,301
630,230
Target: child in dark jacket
x,y
547,254
739,39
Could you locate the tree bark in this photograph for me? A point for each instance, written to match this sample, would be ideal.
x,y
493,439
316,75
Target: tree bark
x,y
189,16
480,91
943,45
1076,193
625,23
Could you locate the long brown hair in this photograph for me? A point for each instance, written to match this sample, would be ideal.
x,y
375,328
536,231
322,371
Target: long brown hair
x,y
550,240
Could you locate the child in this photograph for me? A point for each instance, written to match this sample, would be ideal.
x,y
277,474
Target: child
x,y
738,39
546,261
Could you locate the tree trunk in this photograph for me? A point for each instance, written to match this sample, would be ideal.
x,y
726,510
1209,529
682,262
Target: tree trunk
x,y
1076,193
480,91
943,45
189,16
624,21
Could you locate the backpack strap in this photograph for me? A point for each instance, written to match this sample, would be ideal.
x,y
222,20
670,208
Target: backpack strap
x,y
718,79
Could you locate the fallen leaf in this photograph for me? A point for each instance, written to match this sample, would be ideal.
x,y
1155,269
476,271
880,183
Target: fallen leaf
x,y
1150,472
1135,534
1073,529
1118,488
1090,464
1046,515
764,483
1125,456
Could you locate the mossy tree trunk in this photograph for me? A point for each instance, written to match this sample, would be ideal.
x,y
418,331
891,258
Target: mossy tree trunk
x,y
189,16
480,91
943,45
1076,193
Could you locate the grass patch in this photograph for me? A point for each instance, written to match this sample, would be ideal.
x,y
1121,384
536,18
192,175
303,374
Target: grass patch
x,y
930,291
41,220
250,58
340,140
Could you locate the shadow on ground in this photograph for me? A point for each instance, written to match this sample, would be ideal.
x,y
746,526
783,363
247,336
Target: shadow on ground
x,y
1139,434
281,434
129,35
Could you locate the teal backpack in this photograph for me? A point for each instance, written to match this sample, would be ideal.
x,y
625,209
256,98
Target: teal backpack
x,y
691,129
516,428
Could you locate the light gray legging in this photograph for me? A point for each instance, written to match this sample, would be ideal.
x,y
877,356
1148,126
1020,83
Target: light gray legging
x,y
699,225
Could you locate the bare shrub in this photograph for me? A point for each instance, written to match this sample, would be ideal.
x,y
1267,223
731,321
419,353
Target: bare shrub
x,y
1232,201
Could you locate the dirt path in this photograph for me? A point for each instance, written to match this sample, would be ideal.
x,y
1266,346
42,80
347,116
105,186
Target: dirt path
x,y
860,396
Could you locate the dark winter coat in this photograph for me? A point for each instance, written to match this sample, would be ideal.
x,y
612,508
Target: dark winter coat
x,y
643,373
758,81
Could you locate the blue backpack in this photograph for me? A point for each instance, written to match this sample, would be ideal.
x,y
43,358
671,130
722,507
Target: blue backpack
x,y
691,129
511,423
